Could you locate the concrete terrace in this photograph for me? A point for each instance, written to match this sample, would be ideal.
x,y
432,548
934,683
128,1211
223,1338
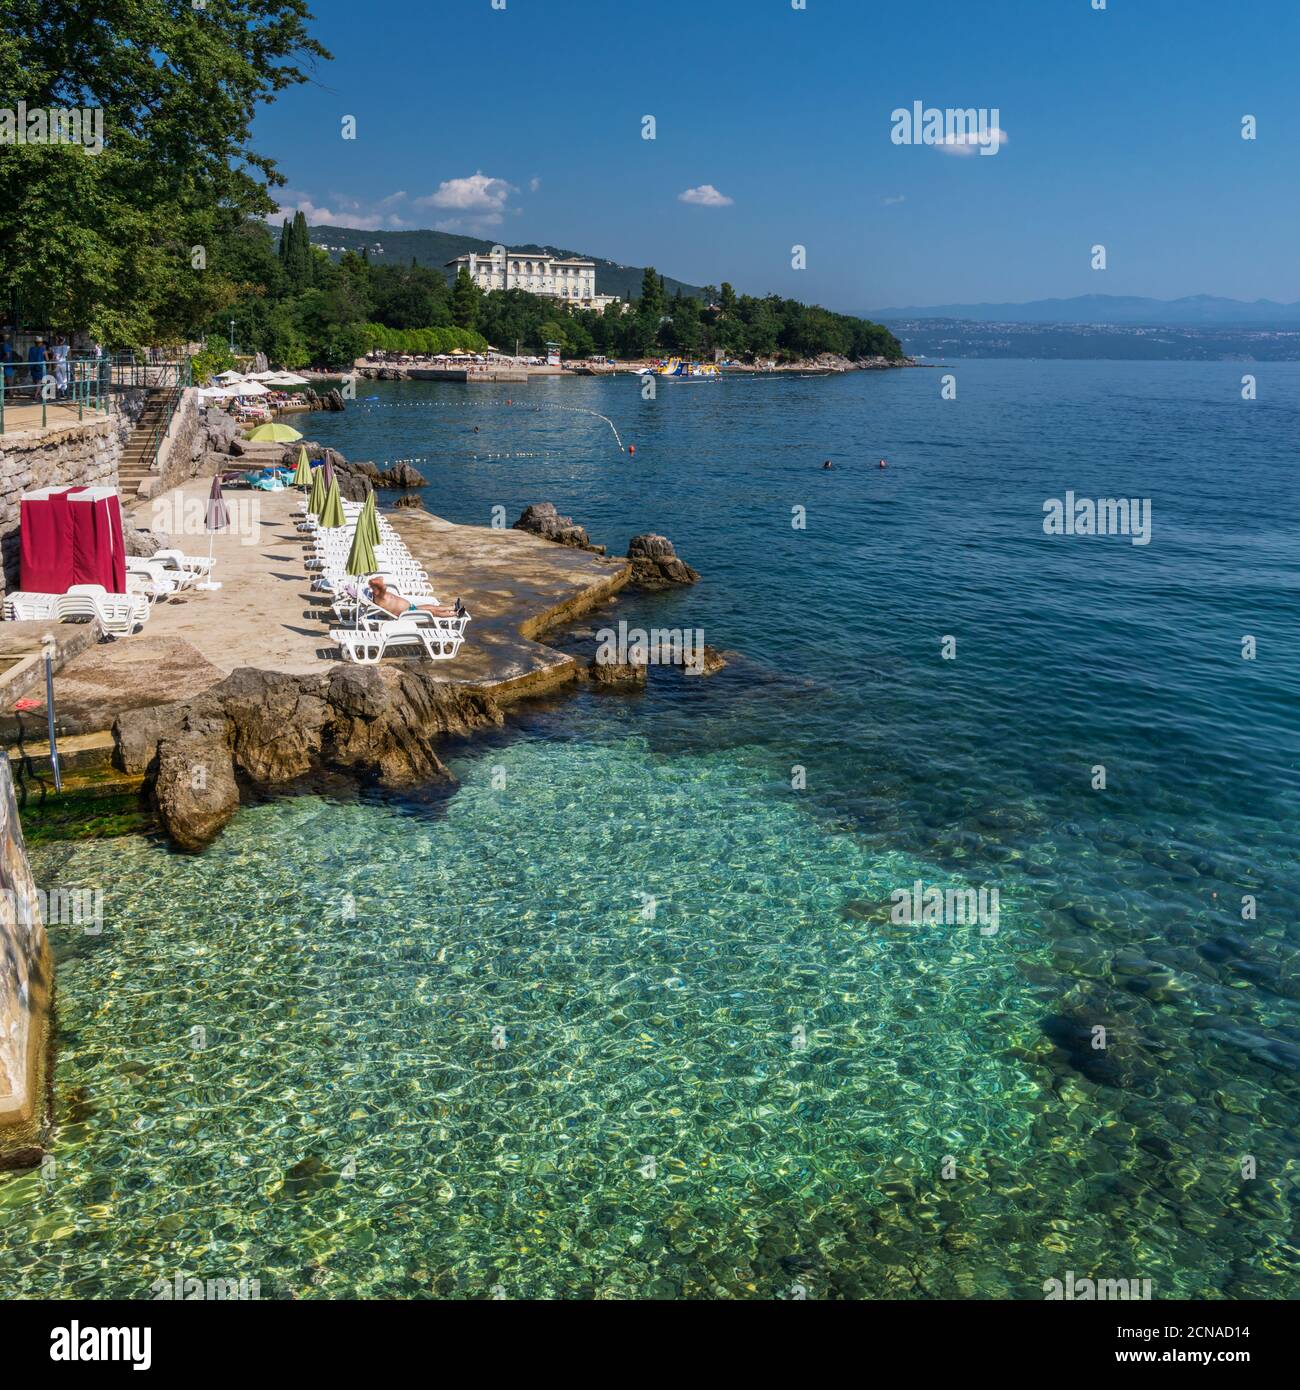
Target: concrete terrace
x,y
267,616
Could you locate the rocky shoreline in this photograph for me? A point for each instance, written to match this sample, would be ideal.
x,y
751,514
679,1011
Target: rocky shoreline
x,y
264,729
260,731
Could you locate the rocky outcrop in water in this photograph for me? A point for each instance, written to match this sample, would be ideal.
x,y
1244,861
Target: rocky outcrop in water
x,y
617,675
655,564
542,519
265,729
400,475
710,663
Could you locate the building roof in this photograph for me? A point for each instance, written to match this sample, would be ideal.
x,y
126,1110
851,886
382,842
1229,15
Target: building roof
x,y
524,255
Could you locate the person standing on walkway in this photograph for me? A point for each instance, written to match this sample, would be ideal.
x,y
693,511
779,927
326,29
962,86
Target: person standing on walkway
x,y
36,361
61,365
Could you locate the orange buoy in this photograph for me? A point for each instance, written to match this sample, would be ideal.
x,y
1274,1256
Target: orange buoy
x,y
631,448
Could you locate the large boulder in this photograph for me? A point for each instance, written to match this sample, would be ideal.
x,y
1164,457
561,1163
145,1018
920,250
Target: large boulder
x,y
385,721
271,729
542,519
141,542
655,564
222,430
401,475
194,789
275,724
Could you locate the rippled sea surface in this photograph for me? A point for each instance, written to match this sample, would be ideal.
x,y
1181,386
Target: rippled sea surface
x,y
626,1015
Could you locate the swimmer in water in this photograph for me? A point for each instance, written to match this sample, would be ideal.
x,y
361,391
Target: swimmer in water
x,y
828,464
883,464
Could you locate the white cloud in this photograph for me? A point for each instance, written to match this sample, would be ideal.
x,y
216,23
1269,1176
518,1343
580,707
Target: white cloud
x,y
479,193
479,201
344,212
894,198
534,185
964,143
705,196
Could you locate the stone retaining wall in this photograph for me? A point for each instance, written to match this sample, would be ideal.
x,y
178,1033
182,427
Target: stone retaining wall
x,y
26,985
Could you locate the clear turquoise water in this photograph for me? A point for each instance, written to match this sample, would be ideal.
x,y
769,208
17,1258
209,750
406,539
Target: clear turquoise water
x,y
448,1048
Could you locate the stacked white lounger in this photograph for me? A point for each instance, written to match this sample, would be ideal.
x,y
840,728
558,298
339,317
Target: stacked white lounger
x,y
118,614
375,630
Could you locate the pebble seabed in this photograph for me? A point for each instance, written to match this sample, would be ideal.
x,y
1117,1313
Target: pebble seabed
x,y
662,1041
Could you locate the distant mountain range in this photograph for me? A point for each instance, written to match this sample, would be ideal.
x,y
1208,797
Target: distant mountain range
x,y
1197,310
435,249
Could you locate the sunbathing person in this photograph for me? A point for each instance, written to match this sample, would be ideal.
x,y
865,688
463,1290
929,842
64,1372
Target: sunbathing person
x,y
399,605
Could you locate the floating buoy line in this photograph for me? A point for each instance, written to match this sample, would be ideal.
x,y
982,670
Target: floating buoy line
x,y
489,405
444,457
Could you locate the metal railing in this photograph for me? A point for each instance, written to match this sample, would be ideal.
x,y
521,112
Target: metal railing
x,y
80,383
85,383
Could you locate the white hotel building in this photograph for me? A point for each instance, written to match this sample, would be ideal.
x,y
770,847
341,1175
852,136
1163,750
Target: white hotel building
x,y
569,279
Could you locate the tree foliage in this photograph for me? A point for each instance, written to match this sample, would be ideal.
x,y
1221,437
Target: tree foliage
x,y
118,243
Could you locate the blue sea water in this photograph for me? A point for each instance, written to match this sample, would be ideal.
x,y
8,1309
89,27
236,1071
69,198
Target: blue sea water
x,y
626,1015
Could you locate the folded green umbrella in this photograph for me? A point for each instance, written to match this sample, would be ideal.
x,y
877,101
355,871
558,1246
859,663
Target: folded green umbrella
x,y
368,521
302,474
316,499
361,558
331,514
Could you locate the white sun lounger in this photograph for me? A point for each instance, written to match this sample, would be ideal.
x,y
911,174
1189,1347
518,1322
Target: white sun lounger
x,y
190,567
152,580
366,645
119,614
22,606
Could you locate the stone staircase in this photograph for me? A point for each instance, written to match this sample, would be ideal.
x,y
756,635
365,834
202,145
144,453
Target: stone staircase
x,y
136,462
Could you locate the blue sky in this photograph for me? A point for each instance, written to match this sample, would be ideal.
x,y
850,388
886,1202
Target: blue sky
x,y
1122,126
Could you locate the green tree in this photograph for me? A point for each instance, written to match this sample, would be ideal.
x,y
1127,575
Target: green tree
x,y
651,303
464,300
117,243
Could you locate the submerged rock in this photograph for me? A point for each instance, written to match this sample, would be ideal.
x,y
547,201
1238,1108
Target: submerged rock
x,y
655,564
309,1176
